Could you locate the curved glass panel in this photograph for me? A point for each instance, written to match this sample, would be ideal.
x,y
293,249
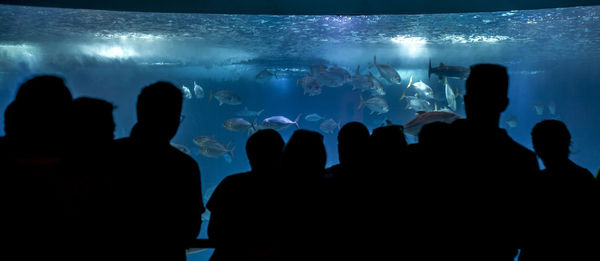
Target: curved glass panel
x,y
312,68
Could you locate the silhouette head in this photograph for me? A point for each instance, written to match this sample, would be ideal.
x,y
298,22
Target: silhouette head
x,y
39,113
159,110
435,134
264,149
353,139
487,93
389,139
93,120
305,154
551,140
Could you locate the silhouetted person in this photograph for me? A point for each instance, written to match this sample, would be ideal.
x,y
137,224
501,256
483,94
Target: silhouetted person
x,y
386,193
158,187
567,220
345,191
244,208
87,184
304,159
36,126
492,177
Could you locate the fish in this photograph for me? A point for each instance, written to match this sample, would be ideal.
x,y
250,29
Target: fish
x,y
279,122
333,77
539,108
450,97
366,82
265,75
375,104
313,117
387,72
238,124
552,108
511,122
215,150
328,126
182,148
186,92
198,91
458,72
203,140
423,89
413,127
310,85
248,113
417,104
225,97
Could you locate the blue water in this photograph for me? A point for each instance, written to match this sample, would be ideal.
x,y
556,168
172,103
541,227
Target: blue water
x,y
552,55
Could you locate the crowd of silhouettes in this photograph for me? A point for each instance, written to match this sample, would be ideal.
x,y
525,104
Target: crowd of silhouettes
x,y
465,191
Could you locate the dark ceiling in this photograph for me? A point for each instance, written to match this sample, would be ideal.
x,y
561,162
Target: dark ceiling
x,y
348,7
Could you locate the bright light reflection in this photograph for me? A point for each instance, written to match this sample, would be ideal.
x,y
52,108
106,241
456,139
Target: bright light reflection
x,y
414,46
113,52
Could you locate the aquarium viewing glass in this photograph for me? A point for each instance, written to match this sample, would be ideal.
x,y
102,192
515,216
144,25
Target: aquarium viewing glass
x,y
313,70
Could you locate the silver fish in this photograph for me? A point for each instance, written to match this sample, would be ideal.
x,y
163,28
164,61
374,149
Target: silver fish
x,y
450,97
203,140
186,92
181,148
237,124
215,150
328,126
310,85
376,104
423,89
539,108
511,122
225,97
279,122
198,91
417,104
387,72
313,117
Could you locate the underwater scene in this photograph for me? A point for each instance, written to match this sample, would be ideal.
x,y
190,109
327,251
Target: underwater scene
x,y
241,73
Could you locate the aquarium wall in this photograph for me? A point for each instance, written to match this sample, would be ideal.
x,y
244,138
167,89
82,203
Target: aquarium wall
x,y
315,72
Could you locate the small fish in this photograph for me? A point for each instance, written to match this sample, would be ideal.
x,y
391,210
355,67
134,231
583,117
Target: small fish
x,y
313,117
237,124
328,126
539,108
186,92
417,104
198,91
215,150
279,122
375,104
511,122
552,108
387,72
310,85
225,97
203,140
182,148
248,113
450,97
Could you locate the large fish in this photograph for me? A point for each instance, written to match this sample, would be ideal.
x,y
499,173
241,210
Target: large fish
x,y
387,72
366,83
376,104
215,150
333,77
450,97
225,97
423,89
413,127
313,117
279,122
417,104
238,124
449,71
265,75
310,85
328,126
203,140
